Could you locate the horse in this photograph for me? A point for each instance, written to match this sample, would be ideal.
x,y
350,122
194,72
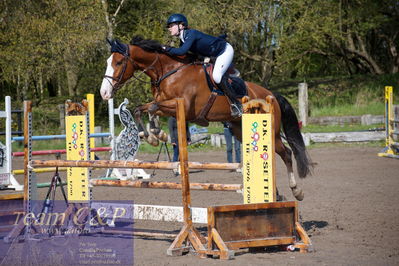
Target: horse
x,y
181,77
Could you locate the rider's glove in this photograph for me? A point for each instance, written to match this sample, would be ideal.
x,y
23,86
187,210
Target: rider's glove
x,y
165,48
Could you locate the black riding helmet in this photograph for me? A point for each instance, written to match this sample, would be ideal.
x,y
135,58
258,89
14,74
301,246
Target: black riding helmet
x,y
177,18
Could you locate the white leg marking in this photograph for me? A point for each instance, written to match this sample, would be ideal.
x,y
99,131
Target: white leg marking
x,y
291,179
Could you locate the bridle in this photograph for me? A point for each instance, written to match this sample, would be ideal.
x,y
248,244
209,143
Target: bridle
x,y
156,83
126,59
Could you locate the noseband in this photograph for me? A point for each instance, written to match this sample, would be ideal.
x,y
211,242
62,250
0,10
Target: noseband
x,y
118,79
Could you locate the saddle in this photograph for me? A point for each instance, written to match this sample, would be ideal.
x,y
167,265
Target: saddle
x,y
237,84
238,88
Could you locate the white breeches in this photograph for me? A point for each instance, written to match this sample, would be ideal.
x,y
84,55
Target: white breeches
x,y
222,63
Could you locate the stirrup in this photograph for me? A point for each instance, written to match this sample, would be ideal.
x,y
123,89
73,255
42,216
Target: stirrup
x,y
236,110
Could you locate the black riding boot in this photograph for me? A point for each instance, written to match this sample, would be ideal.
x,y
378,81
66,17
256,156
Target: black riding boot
x,y
235,107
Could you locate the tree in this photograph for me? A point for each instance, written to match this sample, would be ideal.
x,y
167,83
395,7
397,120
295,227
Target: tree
x,y
43,39
325,37
250,26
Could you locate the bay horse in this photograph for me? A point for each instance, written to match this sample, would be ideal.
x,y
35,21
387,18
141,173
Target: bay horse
x,y
180,77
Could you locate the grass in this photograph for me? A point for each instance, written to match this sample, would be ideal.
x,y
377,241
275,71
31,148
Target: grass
x,y
376,144
340,128
215,128
374,108
356,95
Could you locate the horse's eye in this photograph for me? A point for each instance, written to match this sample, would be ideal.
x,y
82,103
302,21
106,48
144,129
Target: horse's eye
x,y
118,63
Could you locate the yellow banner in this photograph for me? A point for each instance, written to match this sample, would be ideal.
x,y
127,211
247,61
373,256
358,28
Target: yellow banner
x,y
258,158
77,149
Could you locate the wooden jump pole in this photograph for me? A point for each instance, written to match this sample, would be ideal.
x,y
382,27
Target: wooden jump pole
x,y
164,185
138,233
133,164
12,196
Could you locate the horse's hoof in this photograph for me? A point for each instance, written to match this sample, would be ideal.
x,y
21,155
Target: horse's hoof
x,y
152,140
153,108
155,131
162,136
298,193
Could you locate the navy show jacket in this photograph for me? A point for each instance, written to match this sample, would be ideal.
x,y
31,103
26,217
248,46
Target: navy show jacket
x,y
199,43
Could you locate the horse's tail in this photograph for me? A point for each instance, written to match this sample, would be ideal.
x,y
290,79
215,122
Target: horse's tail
x,y
293,136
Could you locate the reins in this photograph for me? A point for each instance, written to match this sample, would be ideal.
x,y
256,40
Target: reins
x,y
170,73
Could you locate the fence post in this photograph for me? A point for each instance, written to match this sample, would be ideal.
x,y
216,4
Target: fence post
x,y
61,108
303,103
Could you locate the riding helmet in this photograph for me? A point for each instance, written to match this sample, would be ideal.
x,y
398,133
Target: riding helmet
x,y
177,18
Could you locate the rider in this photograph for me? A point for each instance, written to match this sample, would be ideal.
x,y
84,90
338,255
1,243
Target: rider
x,y
208,46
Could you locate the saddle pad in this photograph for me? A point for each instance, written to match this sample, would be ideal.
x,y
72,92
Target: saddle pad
x,y
237,84
239,87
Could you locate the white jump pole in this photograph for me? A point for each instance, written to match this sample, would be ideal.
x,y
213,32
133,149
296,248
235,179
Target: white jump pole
x,y
13,182
111,114
111,124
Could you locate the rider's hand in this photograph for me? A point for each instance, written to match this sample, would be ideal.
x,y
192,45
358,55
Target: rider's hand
x,y
165,48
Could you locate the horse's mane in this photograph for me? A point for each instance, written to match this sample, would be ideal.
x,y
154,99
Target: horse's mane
x,y
147,45
154,46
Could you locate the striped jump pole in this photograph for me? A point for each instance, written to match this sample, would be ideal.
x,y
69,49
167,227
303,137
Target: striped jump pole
x,y
52,137
49,152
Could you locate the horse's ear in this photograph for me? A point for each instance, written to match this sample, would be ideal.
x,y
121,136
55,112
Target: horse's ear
x,y
245,99
119,47
270,99
85,103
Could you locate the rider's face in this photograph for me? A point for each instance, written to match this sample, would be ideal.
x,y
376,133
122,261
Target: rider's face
x,y
174,29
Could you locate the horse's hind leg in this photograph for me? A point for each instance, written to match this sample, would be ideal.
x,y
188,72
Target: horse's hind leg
x,y
286,154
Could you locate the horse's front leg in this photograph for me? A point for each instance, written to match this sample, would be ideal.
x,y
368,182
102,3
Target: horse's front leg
x,y
164,108
143,132
137,116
